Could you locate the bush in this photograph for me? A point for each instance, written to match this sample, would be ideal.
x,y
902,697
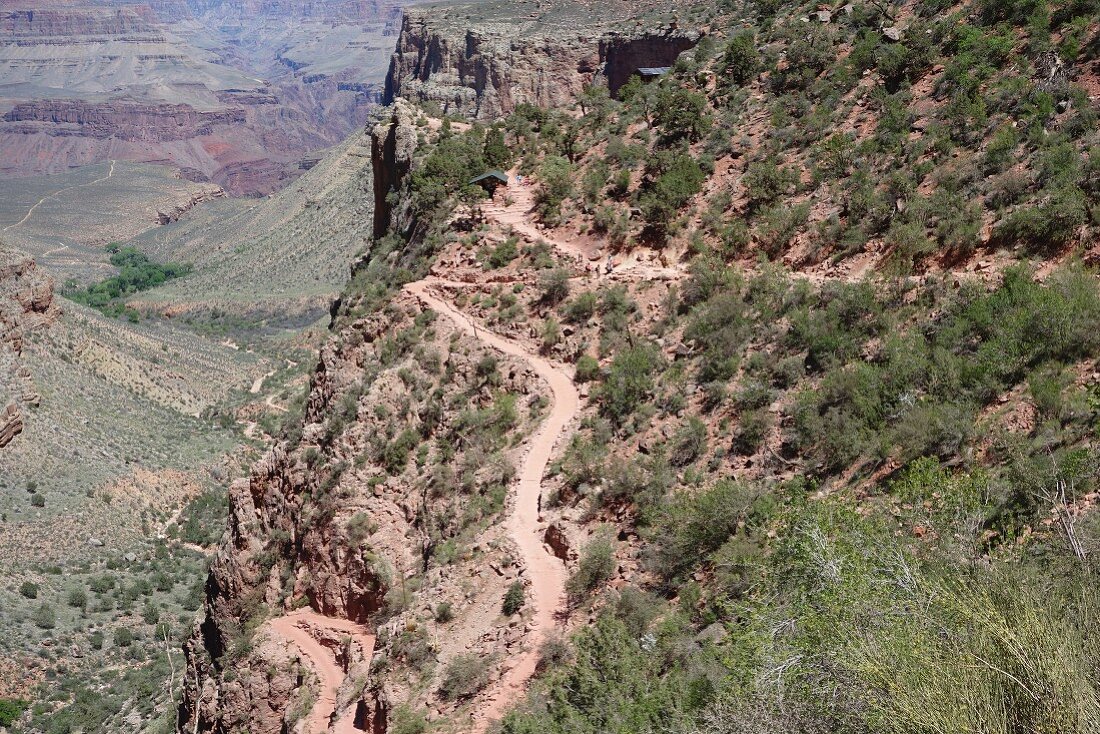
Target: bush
x,y
77,599
587,369
444,612
556,185
11,709
45,617
765,182
689,443
629,381
695,525
37,500
513,599
581,308
555,286
29,590
596,566
123,637
463,677
680,114
504,253
1050,223
663,198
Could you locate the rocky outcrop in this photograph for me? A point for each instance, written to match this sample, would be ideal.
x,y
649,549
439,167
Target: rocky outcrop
x,y
393,142
26,304
622,54
173,213
484,72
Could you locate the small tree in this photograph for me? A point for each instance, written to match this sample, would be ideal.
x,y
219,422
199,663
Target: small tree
x,y
555,286
556,176
681,114
741,60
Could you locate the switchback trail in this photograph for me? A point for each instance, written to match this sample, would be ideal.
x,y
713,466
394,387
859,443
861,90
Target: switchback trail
x,y
296,627
547,573
517,213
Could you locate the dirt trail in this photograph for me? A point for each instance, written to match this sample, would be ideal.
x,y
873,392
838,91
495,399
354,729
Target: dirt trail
x,y
45,198
296,627
258,383
546,572
519,216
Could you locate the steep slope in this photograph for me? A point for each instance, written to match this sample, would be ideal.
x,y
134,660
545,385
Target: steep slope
x,y
281,261
27,305
831,464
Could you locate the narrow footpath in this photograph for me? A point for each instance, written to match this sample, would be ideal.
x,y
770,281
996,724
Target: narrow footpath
x,y
296,627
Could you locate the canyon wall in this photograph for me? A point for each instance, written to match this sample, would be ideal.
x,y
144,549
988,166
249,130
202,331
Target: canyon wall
x,y
26,304
240,91
485,71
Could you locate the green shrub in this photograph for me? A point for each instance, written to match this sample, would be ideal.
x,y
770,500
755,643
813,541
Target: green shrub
x,y
123,637
1046,225
504,253
29,590
689,442
513,599
741,60
587,369
463,677
680,114
11,709
444,612
629,381
45,617
556,185
554,285
765,182
694,525
596,566
581,308
663,197
77,599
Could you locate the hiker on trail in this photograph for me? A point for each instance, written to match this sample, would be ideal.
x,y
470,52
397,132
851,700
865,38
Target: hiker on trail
x,y
610,265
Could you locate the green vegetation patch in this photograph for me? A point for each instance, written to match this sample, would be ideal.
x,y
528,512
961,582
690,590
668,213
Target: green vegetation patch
x,y
136,273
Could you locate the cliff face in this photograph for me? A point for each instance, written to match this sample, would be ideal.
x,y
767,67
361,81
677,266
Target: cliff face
x,y
393,142
484,72
26,304
131,122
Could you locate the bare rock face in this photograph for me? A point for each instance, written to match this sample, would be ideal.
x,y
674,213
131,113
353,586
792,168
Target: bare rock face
x,y
26,304
484,71
392,145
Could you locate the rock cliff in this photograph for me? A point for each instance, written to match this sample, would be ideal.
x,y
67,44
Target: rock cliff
x,y
484,69
26,304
